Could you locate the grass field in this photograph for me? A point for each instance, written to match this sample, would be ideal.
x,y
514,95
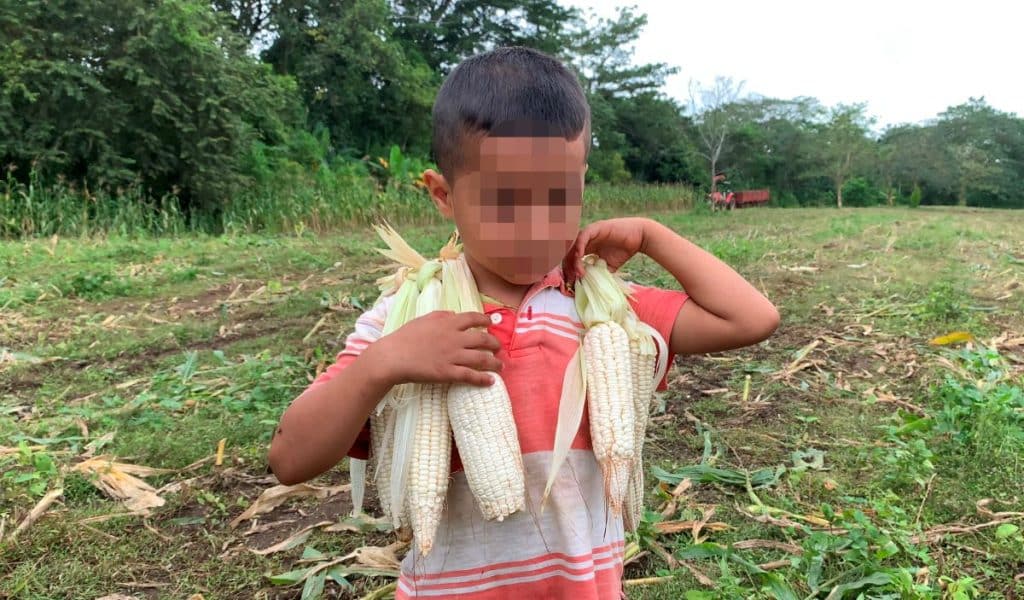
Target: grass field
x,y
859,459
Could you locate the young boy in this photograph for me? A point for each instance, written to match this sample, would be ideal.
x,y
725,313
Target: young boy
x,y
511,138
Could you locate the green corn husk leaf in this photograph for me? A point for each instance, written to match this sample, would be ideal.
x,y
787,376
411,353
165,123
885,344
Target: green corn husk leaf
x,y
451,296
704,473
427,272
357,471
405,430
570,413
600,296
403,307
429,298
468,292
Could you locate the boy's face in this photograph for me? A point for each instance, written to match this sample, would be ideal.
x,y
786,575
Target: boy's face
x,y
517,203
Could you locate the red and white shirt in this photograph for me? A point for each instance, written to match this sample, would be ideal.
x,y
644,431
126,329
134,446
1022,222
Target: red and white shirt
x,y
574,548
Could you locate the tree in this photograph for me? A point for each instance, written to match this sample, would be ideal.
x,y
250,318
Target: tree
x,y
714,117
355,78
443,32
772,145
915,156
601,51
976,137
844,144
114,93
250,19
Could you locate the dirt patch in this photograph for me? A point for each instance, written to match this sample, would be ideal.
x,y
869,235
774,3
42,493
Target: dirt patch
x,y
20,385
144,360
192,512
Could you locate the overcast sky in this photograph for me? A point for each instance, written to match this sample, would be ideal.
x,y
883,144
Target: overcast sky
x,y
909,60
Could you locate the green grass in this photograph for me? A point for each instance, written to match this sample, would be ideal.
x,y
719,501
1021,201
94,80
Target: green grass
x,y
168,345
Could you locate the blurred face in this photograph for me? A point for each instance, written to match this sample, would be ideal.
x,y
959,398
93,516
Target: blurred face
x,y
517,203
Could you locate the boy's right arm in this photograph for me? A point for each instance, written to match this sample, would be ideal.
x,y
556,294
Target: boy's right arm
x,y
320,426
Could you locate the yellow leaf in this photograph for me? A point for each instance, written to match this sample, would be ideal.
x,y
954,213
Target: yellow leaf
x,y
952,338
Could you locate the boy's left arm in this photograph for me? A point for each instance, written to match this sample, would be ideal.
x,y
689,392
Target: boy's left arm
x,y
724,310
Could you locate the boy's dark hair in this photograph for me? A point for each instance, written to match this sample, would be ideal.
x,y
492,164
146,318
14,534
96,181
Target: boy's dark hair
x,y
509,92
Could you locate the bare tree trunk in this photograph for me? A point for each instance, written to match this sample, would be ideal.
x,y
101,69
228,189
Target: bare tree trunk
x,y
714,185
839,193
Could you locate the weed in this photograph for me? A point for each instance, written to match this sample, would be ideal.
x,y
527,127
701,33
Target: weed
x,y
944,301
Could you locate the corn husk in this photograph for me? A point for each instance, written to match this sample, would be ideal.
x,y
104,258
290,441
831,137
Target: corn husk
x,y
570,414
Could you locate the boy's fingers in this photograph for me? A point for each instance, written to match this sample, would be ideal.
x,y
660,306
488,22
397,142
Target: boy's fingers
x,y
483,340
481,360
472,377
469,320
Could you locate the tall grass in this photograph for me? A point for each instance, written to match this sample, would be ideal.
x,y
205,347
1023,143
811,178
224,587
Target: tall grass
x,y
289,203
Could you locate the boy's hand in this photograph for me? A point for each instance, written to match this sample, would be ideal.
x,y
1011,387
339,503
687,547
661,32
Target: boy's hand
x,y
440,347
614,240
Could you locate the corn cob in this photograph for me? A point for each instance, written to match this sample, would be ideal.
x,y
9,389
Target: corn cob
x,y
642,355
423,483
482,419
417,477
485,434
430,465
382,434
610,405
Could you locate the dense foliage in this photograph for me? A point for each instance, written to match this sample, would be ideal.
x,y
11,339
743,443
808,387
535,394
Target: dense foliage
x,y
204,105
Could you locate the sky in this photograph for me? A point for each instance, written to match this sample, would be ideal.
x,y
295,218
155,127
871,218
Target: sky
x,y
908,60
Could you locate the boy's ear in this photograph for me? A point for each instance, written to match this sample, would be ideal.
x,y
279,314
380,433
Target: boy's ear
x,y
440,192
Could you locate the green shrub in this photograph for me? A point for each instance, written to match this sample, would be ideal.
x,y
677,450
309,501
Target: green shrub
x,y
915,196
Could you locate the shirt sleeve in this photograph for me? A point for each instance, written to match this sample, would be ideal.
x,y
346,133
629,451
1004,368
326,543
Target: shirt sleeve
x,y
367,330
658,308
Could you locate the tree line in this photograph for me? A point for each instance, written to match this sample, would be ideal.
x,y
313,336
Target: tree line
x,y
206,101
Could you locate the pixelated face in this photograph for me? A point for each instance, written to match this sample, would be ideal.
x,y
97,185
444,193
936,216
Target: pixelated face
x,y
517,203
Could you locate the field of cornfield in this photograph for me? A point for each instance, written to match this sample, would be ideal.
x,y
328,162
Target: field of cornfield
x,y
872,448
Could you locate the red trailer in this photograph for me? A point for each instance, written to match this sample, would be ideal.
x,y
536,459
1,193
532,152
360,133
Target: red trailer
x,y
751,197
731,200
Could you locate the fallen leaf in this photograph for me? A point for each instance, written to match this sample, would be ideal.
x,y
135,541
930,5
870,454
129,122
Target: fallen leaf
x,y
381,557
291,541
770,544
670,527
37,511
361,523
118,481
951,338
220,452
273,497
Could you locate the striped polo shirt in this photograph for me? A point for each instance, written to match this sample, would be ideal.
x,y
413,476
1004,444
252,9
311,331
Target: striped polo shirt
x,y
574,548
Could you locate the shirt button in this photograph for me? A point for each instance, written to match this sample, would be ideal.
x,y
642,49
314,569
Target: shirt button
x,y
496,318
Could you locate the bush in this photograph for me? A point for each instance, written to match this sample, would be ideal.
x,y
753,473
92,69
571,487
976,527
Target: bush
x,y
607,167
861,192
915,196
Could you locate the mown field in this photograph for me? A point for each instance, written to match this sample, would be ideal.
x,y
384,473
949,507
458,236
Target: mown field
x,y
845,457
